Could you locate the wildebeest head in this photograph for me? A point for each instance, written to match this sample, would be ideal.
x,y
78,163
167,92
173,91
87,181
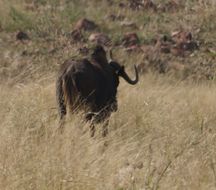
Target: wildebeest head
x,y
120,71
99,55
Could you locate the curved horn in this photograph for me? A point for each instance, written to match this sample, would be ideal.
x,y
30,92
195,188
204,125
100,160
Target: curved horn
x,y
125,76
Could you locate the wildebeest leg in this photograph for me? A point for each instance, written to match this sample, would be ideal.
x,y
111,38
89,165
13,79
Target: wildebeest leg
x,y
61,103
105,128
60,98
92,130
61,125
90,117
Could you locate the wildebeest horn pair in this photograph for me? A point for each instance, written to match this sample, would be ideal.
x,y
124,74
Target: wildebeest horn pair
x,y
91,85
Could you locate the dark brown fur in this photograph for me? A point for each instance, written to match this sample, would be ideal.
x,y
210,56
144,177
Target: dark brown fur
x,y
90,86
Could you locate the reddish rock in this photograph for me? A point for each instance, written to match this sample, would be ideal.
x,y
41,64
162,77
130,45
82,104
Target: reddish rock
x,y
22,36
130,39
86,25
181,36
77,36
171,5
184,41
100,38
188,46
180,44
183,49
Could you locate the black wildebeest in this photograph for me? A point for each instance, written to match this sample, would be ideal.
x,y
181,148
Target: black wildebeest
x,y
90,85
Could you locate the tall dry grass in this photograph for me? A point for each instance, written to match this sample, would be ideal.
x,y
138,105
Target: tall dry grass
x,y
162,137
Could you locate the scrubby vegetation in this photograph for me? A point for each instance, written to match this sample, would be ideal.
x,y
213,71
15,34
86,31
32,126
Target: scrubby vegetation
x,y
163,134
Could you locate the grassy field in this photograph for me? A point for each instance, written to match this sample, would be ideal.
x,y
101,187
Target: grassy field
x,y
163,135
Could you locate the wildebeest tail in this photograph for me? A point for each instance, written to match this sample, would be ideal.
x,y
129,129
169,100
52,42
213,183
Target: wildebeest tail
x,y
60,97
70,91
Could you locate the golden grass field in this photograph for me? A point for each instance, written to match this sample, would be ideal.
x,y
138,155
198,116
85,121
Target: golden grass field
x,y
162,137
